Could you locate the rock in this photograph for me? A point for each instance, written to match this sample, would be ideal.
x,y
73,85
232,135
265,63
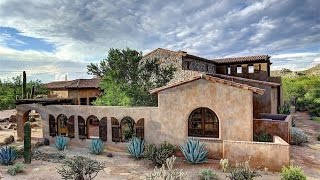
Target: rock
x,y
8,140
13,118
107,170
124,174
110,155
36,169
32,120
46,142
34,125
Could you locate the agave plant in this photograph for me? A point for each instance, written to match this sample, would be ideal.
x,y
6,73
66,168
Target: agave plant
x,y
61,142
7,156
97,146
136,147
194,152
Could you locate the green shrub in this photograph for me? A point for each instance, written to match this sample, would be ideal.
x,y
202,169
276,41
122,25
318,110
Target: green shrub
x,y
61,142
136,147
96,146
285,109
298,137
207,174
158,155
79,168
166,172
224,164
242,171
292,173
194,152
15,169
263,137
7,155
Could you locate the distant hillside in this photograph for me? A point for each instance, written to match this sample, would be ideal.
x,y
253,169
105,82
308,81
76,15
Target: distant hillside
x,y
288,73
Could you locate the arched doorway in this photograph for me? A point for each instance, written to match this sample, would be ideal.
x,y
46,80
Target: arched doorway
x,y
36,123
127,128
203,122
92,127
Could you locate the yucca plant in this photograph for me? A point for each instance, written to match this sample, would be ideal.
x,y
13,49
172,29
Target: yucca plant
x,y
7,155
194,152
136,147
61,142
97,146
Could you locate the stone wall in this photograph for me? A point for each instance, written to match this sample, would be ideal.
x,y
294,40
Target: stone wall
x,y
270,155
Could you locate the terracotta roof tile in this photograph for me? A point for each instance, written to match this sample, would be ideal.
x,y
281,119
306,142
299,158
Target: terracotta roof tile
x,y
213,79
245,59
78,83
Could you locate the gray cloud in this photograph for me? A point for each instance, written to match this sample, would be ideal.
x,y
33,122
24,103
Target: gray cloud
x,y
85,30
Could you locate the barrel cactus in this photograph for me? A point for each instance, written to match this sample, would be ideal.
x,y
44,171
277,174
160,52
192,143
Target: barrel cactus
x,y
27,143
97,146
194,152
136,147
61,142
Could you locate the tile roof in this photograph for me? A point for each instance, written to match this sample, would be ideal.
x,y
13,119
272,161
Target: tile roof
x,y
232,78
213,79
73,84
244,59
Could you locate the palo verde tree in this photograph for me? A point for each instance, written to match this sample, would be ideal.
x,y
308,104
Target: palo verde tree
x,y
127,78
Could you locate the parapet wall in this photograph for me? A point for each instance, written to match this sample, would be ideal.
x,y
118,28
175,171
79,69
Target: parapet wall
x,y
262,155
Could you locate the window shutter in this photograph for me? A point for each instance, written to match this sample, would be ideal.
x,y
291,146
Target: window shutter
x,y
140,128
52,126
82,128
103,129
115,130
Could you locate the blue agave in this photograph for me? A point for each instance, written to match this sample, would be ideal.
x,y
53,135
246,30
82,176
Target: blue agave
x,y
7,155
61,142
97,146
194,152
136,147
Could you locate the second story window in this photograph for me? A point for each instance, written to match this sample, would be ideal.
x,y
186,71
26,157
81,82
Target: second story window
x,y
250,68
228,70
239,69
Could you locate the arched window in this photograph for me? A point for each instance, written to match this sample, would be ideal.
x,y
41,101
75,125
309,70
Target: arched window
x,y
127,128
93,127
62,121
203,122
81,128
115,129
140,128
52,126
103,129
71,127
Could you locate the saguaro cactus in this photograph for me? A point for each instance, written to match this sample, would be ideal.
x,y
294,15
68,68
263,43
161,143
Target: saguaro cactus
x,y
27,143
24,85
32,93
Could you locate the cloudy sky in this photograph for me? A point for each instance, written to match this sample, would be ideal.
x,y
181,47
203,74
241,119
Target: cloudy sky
x,y
52,38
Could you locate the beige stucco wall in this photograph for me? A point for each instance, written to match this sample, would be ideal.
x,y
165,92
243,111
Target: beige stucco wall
x,y
270,155
58,93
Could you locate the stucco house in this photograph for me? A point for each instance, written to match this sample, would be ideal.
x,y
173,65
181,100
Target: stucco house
x,y
221,110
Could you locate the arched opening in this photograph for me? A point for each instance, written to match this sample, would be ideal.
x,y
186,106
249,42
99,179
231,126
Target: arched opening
x,y
115,129
52,126
140,128
203,122
35,120
62,122
71,127
81,127
127,129
93,127
103,129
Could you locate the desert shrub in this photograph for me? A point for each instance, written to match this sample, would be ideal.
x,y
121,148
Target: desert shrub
x,y
242,171
158,155
96,146
7,155
207,174
284,109
194,152
61,142
15,169
292,173
136,147
263,137
298,137
224,164
80,168
166,172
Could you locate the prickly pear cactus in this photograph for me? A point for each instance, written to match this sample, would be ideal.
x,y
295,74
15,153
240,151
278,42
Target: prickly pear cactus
x,y
27,143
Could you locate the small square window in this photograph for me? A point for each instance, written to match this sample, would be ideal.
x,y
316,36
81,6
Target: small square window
x,y
83,101
250,69
239,69
229,70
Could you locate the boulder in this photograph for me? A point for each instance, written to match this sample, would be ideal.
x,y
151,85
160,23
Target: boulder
x,y
13,118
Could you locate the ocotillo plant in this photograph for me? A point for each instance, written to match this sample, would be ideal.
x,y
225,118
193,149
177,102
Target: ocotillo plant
x,y
27,143
24,85
32,93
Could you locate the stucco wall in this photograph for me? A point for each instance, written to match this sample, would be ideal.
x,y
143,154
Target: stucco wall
x,y
83,93
270,155
58,93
